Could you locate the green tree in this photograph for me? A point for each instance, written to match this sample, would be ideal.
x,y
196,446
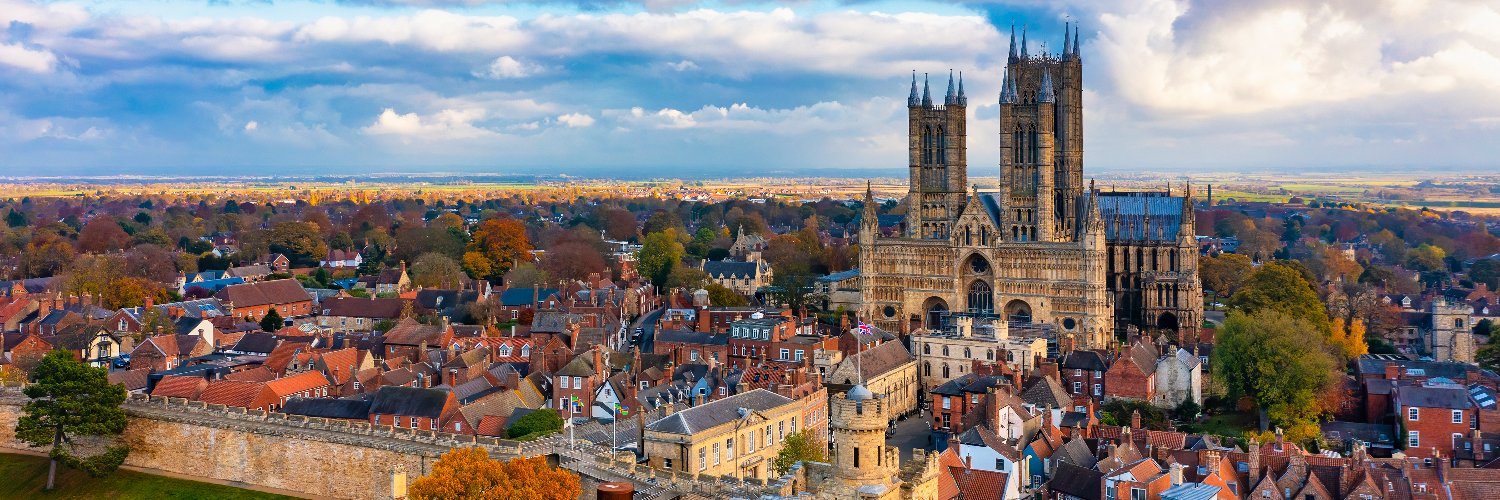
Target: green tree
x,y
660,252
1224,273
272,321
68,401
1282,288
1267,356
301,242
15,219
1426,258
1488,355
721,296
537,423
435,270
1486,271
800,446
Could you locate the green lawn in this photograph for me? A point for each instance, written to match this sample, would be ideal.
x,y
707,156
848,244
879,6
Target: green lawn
x,y
26,476
1228,424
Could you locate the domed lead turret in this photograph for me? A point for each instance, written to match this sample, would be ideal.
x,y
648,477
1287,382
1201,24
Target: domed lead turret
x,y
859,393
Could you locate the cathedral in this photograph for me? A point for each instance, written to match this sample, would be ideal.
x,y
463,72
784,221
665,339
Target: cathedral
x,y
1041,247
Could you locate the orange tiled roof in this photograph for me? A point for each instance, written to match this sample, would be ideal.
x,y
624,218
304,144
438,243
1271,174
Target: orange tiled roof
x,y
232,393
179,386
287,386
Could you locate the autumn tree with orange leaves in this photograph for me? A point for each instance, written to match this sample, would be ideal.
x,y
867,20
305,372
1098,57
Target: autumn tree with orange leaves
x,y
497,246
470,473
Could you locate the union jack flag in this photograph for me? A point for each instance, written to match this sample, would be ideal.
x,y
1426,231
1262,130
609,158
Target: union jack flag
x,y
863,328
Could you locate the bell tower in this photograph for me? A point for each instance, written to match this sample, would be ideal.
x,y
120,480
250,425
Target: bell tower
x,y
1041,142
938,158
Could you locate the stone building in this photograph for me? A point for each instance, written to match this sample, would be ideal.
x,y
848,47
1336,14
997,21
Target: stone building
x,y
1451,335
944,355
1040,248
887,369
864,466
736,437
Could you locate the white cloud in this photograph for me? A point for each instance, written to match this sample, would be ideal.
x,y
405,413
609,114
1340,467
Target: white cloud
x,y
444,124
1203,59
576,120
251,125
35,61
509,67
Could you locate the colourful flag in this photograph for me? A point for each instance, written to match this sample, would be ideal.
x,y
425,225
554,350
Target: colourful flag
x,y
864,329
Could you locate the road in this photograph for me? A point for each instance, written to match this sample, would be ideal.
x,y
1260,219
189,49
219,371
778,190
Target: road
x,y
913,433
647,324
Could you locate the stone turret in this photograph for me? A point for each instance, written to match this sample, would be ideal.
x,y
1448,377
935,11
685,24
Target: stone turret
x,y
861,459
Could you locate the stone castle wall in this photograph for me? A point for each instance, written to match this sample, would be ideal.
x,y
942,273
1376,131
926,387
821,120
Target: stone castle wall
x,y
312,456
326,458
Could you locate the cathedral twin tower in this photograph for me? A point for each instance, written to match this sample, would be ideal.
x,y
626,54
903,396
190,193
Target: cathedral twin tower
x,y
1041,147
1040,247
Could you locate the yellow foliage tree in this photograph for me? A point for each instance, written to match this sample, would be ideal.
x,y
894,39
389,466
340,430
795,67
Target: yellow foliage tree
x,y
1349,338
470,473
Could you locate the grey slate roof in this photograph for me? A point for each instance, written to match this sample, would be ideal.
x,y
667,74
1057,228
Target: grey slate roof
x,y
691,337
730,269
353,409
1083,360
717,412
409,401
1076,452
1455,398
1047,392
1126,215
872,362
1075,481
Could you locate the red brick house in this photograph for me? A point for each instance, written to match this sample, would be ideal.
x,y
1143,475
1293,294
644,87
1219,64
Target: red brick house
x,y
412,408
1133,374
1082,373
408,338
1433,419
690,347
165,352
255,300
579,379
306,384
29,351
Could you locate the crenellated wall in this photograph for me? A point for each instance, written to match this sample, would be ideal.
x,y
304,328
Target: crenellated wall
x,y
327,458
313,456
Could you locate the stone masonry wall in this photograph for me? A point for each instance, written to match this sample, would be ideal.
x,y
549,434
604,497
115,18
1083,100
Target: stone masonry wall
x,y
312,456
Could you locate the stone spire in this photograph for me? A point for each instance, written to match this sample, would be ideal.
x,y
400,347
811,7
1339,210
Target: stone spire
x,y
1076,50
1023,43
963,100
951,98
1007,89
1067,42
1045,94
1013,57
926,92
911,100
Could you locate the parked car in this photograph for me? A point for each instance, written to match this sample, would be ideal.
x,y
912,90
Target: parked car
x,y
122,361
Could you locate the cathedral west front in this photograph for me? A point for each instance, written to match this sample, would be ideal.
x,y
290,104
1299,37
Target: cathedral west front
x,y
1041,247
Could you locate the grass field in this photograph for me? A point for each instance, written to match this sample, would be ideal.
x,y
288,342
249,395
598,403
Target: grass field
x,y
1229,424
26,476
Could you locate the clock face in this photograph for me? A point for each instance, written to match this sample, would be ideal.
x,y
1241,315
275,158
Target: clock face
x,y
979,265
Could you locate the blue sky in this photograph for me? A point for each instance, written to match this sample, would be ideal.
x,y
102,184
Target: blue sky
x,y
725,88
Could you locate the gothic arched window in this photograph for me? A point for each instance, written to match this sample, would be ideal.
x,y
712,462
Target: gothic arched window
x,y
981,298
945,371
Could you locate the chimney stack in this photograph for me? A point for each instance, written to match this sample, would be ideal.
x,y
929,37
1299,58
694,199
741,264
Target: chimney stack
x,y
1176,473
